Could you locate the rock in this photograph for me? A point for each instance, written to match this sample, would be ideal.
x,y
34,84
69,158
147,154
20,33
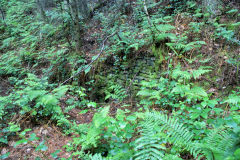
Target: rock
x,y
28,150
11,143
4,151
45,132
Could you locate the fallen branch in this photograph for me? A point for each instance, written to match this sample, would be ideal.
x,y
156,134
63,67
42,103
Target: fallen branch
x,y
103,45
149,18
146,11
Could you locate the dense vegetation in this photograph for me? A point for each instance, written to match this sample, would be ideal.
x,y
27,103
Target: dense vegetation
x,y
120,79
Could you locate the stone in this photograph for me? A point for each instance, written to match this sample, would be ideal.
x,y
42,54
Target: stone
x,y
4,151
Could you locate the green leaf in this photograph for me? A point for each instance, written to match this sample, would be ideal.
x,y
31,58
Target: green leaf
x,y
38,158
41,146
197,73
60,91
101,117
92,104
22,141
232,11
128,135
23,133
181,89
14,127
122,124
165,27
48,100
177,73
83,111
131,118
94,58
204,115
233,99
218,110
34,112
35,94
235,24
199,91
237,153
54,154
4,156
33,137
194,115
4,140
212,103
87,70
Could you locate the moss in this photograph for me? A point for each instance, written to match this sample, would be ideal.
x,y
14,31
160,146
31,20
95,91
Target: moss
x,y
158,52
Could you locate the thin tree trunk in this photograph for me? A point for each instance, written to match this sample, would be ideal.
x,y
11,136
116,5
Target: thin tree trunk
x,y
66,26
3,17
2,13
76,22
211,6
149,19
84,10
42,12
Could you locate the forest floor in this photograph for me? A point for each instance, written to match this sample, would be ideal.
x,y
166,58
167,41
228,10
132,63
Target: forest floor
x,y
53,136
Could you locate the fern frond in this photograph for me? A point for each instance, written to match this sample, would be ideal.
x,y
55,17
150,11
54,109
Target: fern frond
x,y
220,142
178,73
233,99
149,146
157,129
176,132
171,157
216,145
97,157
197,73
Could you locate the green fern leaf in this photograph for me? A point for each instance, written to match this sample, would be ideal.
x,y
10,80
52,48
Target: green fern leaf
x,y
97,157
197,73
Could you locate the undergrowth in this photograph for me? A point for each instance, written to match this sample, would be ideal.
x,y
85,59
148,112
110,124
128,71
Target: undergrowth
x,y
163,79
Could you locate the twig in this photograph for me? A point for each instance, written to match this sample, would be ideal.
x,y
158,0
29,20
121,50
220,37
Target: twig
x,y
149,19
127,90
146,11
103,45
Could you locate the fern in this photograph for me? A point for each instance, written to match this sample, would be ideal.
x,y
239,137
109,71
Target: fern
x,y
183,90
91,139
172,157
116,92
217,144
220,142
233,99
196,93
178,73
148,146
176,132
165,27
197,73
167,128
158,127
193,45
97,157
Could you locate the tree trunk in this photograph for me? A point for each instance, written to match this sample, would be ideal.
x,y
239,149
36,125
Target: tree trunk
x,y
2,13
42,12
83,9
76,21
65,24
211,6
